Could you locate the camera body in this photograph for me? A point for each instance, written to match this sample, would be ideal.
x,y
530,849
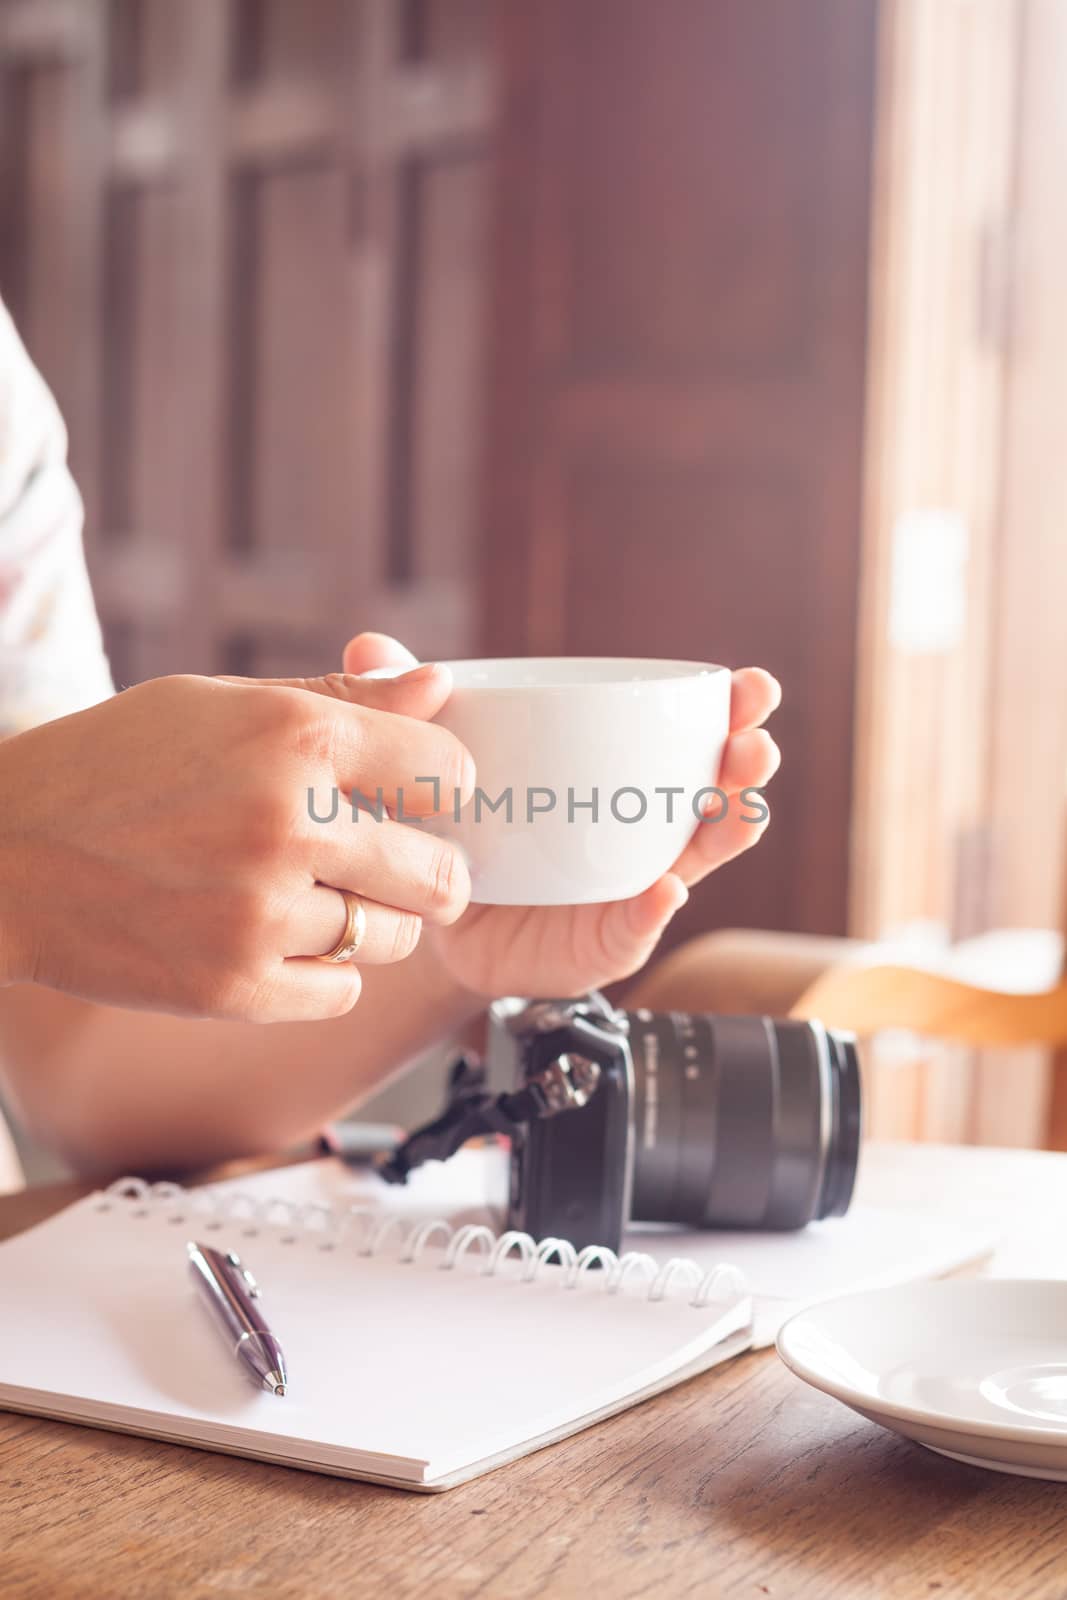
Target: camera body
x,y
571,1176
694,1120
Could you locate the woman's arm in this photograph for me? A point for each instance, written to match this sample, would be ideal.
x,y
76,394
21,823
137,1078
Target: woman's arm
x,y
123,1089
112,1089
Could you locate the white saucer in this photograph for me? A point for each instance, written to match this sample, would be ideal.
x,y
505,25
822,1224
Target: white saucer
x,y
975,1369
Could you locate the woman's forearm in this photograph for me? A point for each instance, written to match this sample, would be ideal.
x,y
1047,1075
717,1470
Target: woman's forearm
x,y
114,1089
15,954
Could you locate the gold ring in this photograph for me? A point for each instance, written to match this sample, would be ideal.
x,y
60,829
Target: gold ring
x,y
355,929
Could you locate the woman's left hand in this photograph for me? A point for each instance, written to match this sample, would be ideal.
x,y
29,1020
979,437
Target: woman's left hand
x,y
565,950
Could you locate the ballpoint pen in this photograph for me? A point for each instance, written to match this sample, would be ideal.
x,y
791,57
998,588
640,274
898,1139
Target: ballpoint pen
x,y
233,1297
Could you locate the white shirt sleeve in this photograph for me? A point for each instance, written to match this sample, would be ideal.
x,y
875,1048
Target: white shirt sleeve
x,y
52,657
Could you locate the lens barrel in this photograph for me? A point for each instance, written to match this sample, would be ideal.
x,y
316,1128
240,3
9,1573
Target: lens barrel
x,y
742,1121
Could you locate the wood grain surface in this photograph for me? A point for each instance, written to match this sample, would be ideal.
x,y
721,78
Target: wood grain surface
x,y
741,1482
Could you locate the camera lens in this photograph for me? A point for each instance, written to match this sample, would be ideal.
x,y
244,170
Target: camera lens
x,y
742,1121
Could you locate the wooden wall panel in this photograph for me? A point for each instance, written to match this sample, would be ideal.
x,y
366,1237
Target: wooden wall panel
x,y
142,469
446,31
694,189
622,499
674,459
293,389
147,50
450,209
275,39
246,242
41,285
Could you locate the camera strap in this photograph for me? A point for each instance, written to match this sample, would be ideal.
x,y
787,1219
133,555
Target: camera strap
x,y
471,1112
564,1083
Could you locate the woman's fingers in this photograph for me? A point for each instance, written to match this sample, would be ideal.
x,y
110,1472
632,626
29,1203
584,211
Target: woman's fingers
x,y
419,692
715,842
627,931
377,737
413,767
645,916
309,991
749,761
392,863
318,920
754,694
370,650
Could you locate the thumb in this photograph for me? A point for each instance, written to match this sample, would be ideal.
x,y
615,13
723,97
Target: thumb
x,y
369,650
419,693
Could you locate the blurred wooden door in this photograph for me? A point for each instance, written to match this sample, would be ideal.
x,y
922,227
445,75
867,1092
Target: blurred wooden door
x,y
679,337
247,243
959,825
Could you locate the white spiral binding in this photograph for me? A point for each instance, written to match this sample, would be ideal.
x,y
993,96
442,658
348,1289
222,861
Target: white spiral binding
x,y
365,1231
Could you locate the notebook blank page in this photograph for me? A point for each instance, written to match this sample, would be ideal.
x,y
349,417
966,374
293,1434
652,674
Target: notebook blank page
x,y
399,1368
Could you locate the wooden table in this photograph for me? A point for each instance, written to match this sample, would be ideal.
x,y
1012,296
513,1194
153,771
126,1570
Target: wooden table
x,y
742,1482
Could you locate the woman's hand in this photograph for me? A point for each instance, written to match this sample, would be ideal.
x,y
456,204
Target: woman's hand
x,y
565,950
159,850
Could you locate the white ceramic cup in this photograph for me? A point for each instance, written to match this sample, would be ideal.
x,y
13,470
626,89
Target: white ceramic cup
x,y
556,733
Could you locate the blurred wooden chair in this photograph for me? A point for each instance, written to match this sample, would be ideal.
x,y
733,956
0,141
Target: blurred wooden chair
x,y
1003,989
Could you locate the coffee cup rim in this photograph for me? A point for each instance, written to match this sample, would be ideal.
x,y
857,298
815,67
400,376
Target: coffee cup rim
x,y
589,672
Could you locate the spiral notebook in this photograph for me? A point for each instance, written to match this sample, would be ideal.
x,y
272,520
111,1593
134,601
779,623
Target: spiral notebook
x,y
421,1352
872,1247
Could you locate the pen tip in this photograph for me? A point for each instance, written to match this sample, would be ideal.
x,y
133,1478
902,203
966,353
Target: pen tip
x,y
279,1388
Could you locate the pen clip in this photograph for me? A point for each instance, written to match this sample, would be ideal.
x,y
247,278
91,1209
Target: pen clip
x,y
250,1283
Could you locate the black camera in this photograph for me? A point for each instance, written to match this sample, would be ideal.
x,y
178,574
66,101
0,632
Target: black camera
x,y
613,1116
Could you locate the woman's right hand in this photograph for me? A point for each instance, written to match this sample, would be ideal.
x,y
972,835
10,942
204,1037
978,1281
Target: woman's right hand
x,y
159,850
